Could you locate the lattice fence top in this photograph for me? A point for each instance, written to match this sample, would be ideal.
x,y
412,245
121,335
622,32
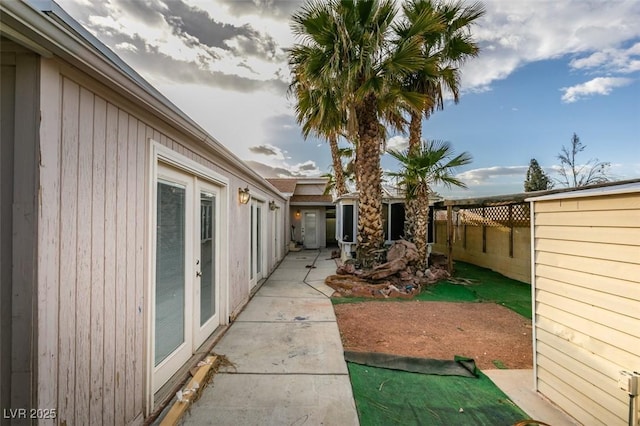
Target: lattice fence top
x,y
505,216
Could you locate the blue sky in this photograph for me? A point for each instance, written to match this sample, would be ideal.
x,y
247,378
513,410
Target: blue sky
x,y
547,69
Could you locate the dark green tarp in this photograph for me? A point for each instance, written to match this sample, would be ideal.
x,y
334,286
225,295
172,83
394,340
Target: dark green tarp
x,y
460,366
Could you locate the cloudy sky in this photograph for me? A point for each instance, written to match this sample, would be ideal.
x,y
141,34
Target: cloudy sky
x,y
547,69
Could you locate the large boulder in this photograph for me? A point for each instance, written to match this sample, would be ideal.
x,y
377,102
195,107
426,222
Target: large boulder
x,y
402,249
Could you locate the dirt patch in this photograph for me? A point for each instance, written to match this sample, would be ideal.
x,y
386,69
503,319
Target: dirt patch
x,y
492,335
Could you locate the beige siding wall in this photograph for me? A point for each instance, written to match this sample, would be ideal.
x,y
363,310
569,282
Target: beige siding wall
x,y
100,306
467,247
587,269
93,251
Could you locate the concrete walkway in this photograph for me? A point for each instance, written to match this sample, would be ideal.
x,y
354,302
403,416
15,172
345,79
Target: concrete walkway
x,y
288,356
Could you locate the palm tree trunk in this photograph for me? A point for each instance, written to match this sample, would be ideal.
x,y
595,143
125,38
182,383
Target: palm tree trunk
x,y
421,225
370,233
338,173
415,132
410,212
411,205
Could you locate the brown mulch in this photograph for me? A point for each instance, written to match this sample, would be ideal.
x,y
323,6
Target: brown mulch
x,y
494,336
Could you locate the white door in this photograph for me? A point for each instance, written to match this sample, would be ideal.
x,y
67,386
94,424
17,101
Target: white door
x,y
171,327
207,278
257,242
186,285
310,229
275,226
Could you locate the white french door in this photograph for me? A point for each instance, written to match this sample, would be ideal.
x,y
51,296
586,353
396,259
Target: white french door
x,y
186,286
207,288
257,243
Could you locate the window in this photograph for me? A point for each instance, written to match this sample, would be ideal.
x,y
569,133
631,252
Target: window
x,y
396,222
348,229
393,218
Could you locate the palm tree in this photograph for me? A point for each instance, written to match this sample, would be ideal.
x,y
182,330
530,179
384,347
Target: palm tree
x,y
318,111
349,44
433,162
446,45
348,173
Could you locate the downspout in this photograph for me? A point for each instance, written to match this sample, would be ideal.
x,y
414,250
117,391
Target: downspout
x,y
532,225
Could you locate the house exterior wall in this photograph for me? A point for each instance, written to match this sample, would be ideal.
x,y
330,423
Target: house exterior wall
x,y
94,251
587,303
468,247
18,223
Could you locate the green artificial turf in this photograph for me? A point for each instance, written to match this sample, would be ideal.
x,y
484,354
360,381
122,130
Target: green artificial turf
x,y
390,397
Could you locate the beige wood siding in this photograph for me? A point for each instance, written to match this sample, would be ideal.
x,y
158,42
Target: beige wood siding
x,y
587,270
100,363
93,256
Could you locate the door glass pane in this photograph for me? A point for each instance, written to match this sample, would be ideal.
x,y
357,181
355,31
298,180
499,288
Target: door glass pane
x,y
310,230
207,256
170,270
253,241
258,241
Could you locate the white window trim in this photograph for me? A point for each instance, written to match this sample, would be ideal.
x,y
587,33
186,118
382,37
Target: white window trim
x,y
160,153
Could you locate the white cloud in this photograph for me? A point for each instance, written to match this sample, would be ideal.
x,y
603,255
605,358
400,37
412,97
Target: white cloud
x,y
268,150
514,33
622,61
597,86
126,46
482,175
283,169
397,143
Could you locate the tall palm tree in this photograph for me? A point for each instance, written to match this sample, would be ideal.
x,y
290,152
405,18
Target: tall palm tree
x,y
447,43
433,162
350,44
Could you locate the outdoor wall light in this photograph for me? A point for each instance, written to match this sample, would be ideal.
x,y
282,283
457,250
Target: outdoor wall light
x,y
273,205
243,195
298,213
